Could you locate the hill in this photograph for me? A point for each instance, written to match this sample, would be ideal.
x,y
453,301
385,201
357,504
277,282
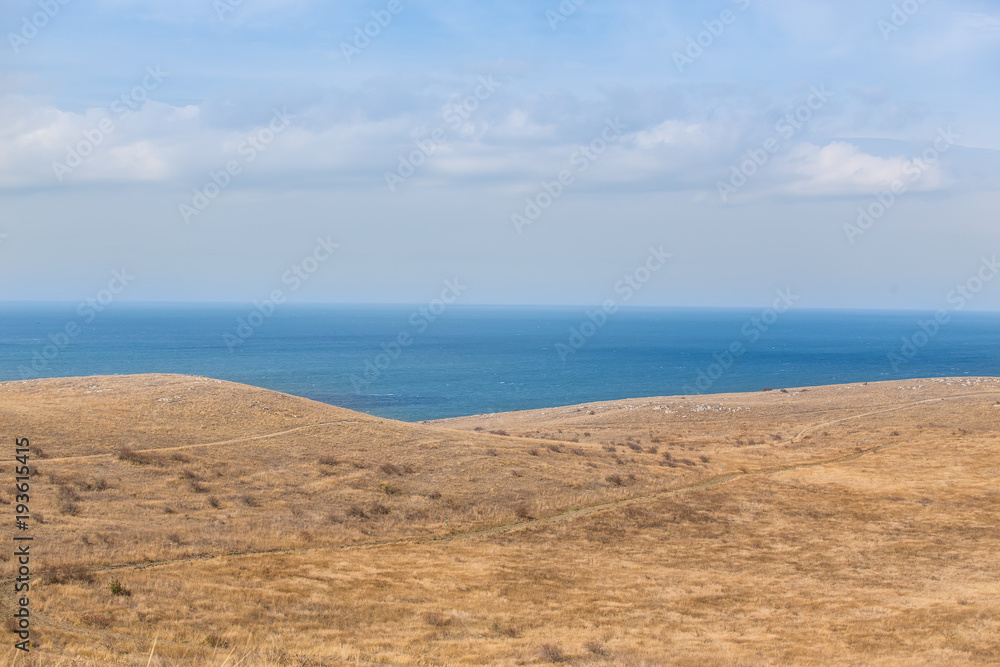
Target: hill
x,y
809,526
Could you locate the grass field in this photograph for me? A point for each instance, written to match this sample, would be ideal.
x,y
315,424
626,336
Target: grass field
x,y
234,525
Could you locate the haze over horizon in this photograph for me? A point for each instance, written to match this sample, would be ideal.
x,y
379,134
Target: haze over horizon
x,y
536,152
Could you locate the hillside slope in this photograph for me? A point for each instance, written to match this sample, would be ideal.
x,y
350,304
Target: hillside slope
x,y
827,524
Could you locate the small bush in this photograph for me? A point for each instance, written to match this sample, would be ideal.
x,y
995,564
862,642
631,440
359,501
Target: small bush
x,y
533,452
492,452
523,512
610,448
250,501
434,495
478,429
129,455
579,451
437,620
552,653
328,461
653,450
596,647
505,630
116,588
356,512
378,509
197,486
634,447
215,641
615,480
500,431
555,448
63,574
704,459
389,490
214,502
39,453
69,509
390,469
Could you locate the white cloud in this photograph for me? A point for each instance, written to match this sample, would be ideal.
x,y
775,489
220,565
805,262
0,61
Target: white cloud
x,y
841,168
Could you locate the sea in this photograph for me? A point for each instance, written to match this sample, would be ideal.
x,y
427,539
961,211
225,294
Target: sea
x,y
412,363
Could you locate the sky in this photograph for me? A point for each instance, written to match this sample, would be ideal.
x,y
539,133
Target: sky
x,y
536,152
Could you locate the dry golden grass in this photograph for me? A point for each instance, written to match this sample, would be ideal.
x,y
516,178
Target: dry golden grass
x,y
818,526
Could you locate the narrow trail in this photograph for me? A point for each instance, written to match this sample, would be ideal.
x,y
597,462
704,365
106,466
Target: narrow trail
x,y
41,620
233,441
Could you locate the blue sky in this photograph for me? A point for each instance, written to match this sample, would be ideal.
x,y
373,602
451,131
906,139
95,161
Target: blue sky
x,y
880,100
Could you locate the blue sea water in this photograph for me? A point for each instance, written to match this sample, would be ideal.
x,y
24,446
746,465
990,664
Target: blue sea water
x,y
473,360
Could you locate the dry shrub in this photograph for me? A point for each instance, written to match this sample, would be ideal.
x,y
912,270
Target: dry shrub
x,y
552,653
596,647
500,432
437,620
389,490
64,574
505,629
390,469
129,455
615,480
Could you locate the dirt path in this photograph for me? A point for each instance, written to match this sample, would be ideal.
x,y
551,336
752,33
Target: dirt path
x,y
233,441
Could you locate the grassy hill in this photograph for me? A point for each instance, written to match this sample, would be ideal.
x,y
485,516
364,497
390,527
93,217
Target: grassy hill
x,y
809,526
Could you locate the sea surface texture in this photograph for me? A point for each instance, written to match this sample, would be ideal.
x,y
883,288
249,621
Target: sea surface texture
x,y
404,363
